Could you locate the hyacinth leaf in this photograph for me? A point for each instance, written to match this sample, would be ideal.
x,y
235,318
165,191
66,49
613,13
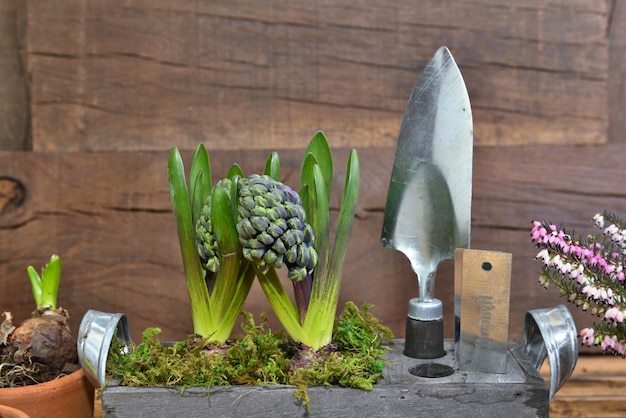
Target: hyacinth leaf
x,y
226,233
281,304
346,213
234,191
199,181
325,288
318,213
318,147
325,294
35,284
272,166
223,222
50,279
203,321
234,171
242,287
234,174
45,288
307,181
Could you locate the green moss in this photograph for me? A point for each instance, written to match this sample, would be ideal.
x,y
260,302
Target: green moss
x,y
354,359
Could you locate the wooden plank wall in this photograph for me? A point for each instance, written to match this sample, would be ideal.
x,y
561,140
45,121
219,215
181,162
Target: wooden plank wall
x,y
142,75
14,106
108,214
94,93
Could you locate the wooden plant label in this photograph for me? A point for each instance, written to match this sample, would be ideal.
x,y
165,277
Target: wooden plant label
x,y
482,287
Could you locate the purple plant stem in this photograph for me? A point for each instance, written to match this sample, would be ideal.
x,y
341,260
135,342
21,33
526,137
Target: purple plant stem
x,y
302,295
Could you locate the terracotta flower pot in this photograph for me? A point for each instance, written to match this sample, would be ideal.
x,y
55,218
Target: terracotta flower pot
x,y
8,412
69,396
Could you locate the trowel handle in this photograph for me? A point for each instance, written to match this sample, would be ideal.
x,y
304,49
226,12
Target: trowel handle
x,y
425,283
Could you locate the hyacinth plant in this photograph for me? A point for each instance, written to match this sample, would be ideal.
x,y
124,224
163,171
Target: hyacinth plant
x,y
250,226
216,296
317,278
590,273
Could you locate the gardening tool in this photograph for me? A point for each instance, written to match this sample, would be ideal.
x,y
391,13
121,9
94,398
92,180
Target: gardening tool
x,y
427,215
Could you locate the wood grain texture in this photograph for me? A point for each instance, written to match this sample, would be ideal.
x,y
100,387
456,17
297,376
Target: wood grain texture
x,y
595,389
617,73
108,216
118,75
14,111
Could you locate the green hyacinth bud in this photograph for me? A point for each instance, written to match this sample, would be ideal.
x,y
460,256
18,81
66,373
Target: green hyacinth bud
x,y
206,241
272,227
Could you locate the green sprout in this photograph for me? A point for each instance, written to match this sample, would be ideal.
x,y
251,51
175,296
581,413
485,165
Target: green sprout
x,y
216,297
45,288
316,291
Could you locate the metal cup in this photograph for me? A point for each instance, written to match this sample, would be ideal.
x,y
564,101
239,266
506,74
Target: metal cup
x,y
551,332
94,340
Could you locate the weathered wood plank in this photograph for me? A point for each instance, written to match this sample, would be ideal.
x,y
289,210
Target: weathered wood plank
x,y
520,392
14,112
108,215
617,73
112,75
595,389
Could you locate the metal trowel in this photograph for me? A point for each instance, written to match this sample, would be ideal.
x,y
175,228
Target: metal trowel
x,y
428,210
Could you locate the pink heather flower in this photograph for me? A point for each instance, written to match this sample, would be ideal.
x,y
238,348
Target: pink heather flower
x,y
608,342
614,314
587,335
611,230
591,291
538,231
596,270
605,343
577,272
544,255
599,220
566,268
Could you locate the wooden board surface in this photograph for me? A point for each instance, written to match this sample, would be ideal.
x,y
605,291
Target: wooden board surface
x,y
14,112
617,72
595,389
108,215
114,75
520,392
